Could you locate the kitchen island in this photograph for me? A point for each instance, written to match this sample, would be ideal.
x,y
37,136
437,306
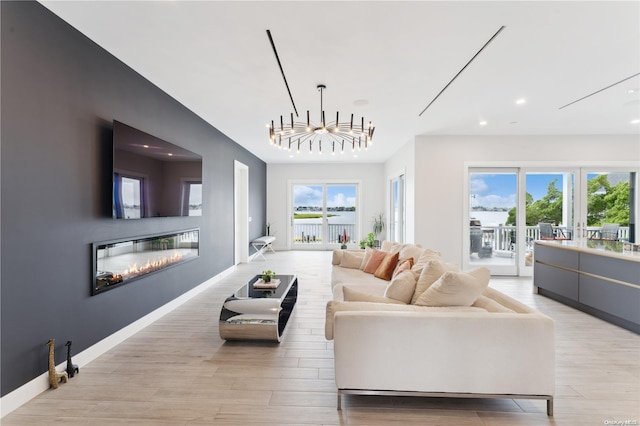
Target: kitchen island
x,y
601,278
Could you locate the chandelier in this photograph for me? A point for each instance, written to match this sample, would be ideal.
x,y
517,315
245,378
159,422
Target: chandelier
x,y
333,135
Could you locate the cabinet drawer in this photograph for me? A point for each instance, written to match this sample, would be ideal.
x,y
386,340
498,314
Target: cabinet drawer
x,y
616,299
556,280
617,269
557,256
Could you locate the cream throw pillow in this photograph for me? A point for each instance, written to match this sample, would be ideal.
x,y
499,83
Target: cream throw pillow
x,y
425,256
368,251
351,260
390,247
351,295
456,288
432,271
402,287
410,250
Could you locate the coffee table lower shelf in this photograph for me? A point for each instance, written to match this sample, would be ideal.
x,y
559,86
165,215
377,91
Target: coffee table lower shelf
x,y
256,314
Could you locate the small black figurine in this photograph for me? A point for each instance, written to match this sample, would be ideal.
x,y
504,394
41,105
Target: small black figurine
x,y
72,369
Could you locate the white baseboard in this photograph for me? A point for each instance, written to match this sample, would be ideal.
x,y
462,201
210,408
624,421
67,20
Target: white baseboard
x,y
33,388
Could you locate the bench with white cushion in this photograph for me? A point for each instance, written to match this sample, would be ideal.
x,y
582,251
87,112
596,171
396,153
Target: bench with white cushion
x,y
263,243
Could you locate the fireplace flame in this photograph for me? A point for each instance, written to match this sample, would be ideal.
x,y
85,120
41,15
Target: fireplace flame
x,y
151,265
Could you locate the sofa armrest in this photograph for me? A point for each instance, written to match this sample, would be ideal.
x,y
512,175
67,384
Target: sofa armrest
x,y
491,353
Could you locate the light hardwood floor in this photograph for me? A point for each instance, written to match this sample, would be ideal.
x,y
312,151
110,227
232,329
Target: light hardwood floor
x,y
178,371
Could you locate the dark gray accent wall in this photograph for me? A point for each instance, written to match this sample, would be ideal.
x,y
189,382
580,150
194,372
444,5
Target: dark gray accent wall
x,y
60,94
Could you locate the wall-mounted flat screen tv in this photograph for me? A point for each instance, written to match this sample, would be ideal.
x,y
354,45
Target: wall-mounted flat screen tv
x,y
152,177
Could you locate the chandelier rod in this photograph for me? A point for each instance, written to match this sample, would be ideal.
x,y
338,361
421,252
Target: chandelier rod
x,y
275,52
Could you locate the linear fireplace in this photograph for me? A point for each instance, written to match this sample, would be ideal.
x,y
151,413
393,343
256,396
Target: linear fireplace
x,y
119,262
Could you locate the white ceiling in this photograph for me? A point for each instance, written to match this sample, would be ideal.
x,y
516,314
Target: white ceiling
x,y
215,58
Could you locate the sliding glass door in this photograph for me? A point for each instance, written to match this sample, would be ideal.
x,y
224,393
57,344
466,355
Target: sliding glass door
x,y
324,215
492,225
509,209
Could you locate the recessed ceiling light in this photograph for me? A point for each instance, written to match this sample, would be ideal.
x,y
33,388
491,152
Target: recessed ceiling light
x,y
633,90
170,154
636,121
521,101
145,146
483,123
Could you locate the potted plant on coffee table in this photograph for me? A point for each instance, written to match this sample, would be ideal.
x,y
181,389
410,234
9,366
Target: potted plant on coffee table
x,y
267,275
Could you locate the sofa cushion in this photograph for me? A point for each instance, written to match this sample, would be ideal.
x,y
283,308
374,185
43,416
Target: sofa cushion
x,y
456,288
425,256
353,295
351,260
334,306
388,265
432,271
491,305
402,287
337,257
377,256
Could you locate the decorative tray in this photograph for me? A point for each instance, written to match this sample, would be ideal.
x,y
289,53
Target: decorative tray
x,y
274,283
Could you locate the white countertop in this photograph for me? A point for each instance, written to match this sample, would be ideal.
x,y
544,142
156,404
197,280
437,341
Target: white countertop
x,y
598,247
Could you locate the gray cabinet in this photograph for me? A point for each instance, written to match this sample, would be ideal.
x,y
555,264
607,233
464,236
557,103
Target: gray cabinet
x,y
604,286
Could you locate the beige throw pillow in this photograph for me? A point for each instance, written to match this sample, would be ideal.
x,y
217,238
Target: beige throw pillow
x,y
351,295
410,251
456,288
432,271
402,287
351,260
390,246
425,256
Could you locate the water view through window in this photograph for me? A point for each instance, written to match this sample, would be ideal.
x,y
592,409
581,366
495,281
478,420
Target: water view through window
x,y
324,214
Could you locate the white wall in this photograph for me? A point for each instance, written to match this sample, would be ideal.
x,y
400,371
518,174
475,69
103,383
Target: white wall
x,y
440,163
372,194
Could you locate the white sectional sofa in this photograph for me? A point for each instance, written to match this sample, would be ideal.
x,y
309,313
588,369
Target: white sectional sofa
x,y
495,347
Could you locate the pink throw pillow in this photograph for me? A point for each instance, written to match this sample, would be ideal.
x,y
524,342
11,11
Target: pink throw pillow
x,y
403,265
374,261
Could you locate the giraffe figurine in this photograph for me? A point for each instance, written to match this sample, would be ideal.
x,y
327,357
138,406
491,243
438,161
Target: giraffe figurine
x,y
54,376
72,368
